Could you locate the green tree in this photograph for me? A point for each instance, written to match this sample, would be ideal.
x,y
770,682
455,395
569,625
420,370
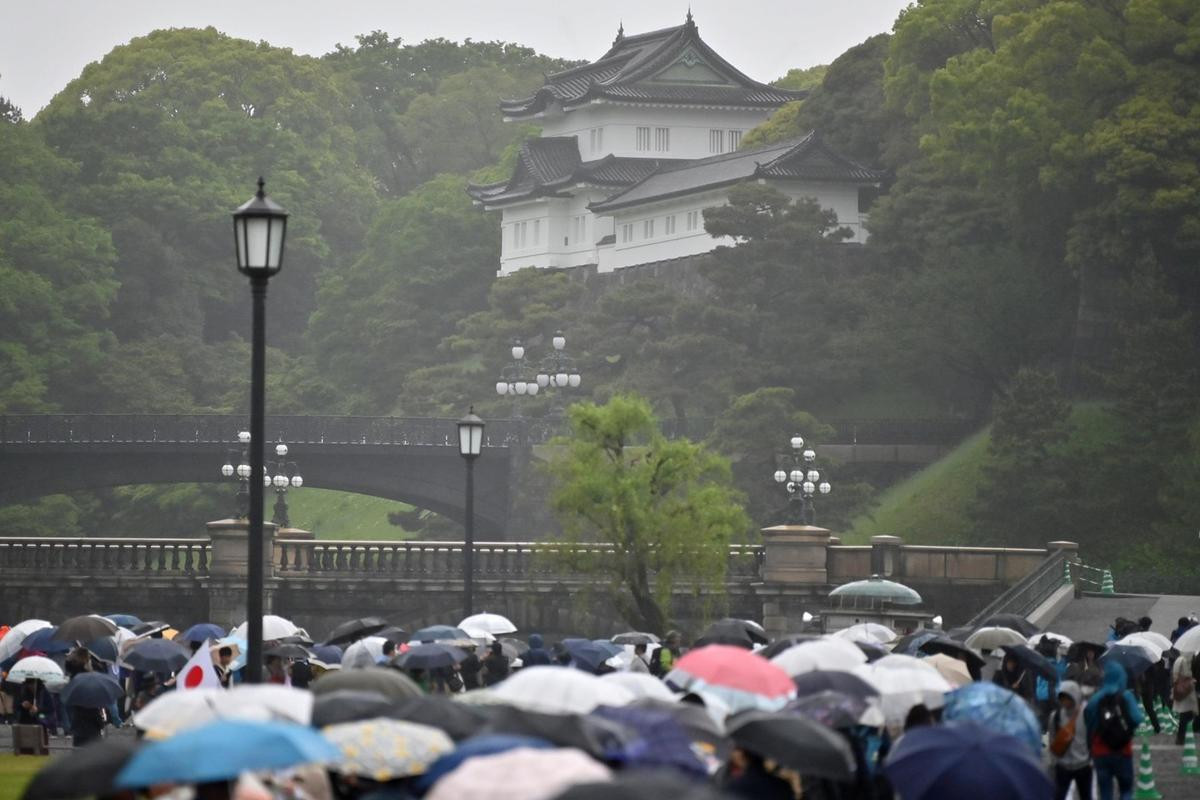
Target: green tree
x,y
666,507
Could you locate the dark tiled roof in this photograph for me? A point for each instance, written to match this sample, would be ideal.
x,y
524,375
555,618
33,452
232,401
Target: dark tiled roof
x,y
805,158
547,165
628,71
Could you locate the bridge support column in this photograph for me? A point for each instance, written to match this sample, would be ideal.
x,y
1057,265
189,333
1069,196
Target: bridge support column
x,y
228,570
794,575
885,555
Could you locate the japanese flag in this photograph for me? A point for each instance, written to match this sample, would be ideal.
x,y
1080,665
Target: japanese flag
x,y
198,672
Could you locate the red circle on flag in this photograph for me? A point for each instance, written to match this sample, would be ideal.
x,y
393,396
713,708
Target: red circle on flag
x,y
194,677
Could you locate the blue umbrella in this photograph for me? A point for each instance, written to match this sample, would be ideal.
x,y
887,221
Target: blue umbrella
x,y
965,759
997,708
223,750
327,653
201,631
103,648
43,641
586,654
430,656
908,645
91,690
661,741
438,632
611,647
124,620
1134,659
162,656
485,745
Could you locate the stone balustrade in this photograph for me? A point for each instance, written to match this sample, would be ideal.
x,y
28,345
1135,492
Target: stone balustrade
x,y
50,555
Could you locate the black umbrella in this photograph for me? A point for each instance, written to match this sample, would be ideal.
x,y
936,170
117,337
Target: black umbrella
x,y
1014,621
84,629
393,634
592,735
955,649
1029,658
817,681
907,644
387,682
635,637
1134,659
873,652
289,651
697,723
430,656
643,785
91,690
787,642
831,709
157,655
755,631
86,771
149,628
726,631
459,720
795,742
295,638
349,705
1077,649
355,629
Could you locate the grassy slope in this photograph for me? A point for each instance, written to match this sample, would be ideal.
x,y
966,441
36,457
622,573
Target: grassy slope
x,y
343,515
15,772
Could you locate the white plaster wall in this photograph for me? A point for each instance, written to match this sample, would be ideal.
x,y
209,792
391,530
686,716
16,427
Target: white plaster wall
x,y
663,246
841,197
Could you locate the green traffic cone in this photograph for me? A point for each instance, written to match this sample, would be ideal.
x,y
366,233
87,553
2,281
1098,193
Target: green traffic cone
x,y
1106,583
1145,788
1191,764
1067,572
1166,719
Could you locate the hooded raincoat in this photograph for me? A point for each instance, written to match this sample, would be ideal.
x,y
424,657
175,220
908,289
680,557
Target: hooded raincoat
x,y
1078,755
1115,682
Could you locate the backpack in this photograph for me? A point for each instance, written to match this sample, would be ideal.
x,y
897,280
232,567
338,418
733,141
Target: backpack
x,y
1113,725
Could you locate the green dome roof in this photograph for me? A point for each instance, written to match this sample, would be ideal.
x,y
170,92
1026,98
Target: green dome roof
x,y
877,589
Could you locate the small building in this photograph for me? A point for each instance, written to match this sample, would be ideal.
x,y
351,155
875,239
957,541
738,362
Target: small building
x,y
637,143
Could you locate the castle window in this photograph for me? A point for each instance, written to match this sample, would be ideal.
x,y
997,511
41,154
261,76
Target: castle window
x,y
597,138
735,140
662,139
669,225
693,220
643,139
716,141
648,229
627,232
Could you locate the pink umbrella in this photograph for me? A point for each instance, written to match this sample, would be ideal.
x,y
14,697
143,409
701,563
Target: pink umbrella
x,y
737,677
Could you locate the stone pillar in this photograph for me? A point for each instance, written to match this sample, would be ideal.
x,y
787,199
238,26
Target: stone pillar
x,y
794,554
228,570
1070,549
295,534
885,555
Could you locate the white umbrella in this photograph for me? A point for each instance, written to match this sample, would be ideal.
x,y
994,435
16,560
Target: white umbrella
x,y
10,645
1189,642
173,712
523,773
993,638
559,690
273,628
1147,644
820,654
1063,641
901,689
869,632
1157,639
494,624
39,668
641,684
364,653
479,635
900,661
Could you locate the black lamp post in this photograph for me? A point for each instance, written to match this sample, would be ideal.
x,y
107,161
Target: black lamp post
x,y
281,474
799,472
470,444
259,227
240,473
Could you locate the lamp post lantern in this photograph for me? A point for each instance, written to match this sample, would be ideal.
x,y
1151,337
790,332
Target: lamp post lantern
x,y
470,445
240,473
802,479
282,474
259,229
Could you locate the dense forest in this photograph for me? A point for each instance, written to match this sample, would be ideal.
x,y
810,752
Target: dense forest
x,y
1033,252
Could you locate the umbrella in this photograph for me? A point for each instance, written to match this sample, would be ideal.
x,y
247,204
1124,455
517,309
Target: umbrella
x,y
239,647
661,741
483,745
908,644
901,689
997,708
524,773
84,629
122,620
873,652
726,632
1077,650
965,759
643,786
274,627
823,654
43,640
430,656
327,653
738,678
1147,641
348,705
494,624
104,648
229,748
364,653
1014,621
1063,641
458,720
1133,658
817,681
795,742
635,637
355,629
955,649
172,712
555,690
791,640
871,632
587,654
640,685
954,671
388,682
518,647
393,634
293,651
836,710
150,628
156,655
10,644
593,735
86,771
994,638
1188,641
695,721
91,690
1032,660
876,590
201,632
436,633
39,668
386,749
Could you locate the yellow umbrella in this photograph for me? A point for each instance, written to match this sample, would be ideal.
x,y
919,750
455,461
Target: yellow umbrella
x,y
954,671
386,749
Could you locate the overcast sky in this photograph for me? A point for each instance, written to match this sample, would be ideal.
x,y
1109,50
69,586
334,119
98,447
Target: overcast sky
x,y
45,43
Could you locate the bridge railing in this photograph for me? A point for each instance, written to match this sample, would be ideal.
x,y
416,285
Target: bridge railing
x,y
1027,594
444,560
79,555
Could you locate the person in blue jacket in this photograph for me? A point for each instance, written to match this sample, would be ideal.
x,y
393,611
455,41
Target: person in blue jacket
x,y
1112,763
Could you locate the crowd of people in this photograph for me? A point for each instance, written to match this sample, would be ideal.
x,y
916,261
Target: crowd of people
x,y
853,714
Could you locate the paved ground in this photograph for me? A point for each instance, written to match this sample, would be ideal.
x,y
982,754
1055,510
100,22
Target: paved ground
x,y
1087,618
